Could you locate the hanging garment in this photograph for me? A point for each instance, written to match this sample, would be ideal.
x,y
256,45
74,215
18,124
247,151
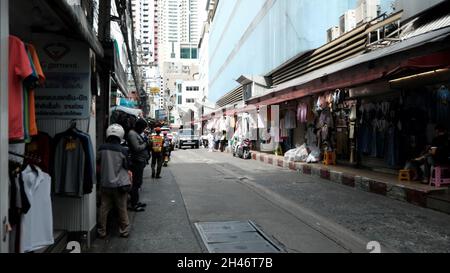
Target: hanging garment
x,y
342,141
37,223
19,69
302,113
41,147
283,130
39,73
232,122
289,120
263,118
18,201
74,169
311,138
443,105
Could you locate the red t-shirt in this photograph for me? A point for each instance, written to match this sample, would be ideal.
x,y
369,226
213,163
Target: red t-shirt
x,y
19,69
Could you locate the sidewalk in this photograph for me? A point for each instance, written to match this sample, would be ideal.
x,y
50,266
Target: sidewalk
x,y
369,181
163,228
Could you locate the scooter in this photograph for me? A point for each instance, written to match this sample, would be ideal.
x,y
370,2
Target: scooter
x,y
242,149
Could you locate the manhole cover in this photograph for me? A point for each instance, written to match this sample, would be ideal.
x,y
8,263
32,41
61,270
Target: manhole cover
x,y
235,237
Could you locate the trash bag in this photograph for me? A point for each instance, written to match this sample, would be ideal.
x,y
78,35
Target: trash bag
x,y
290,155
314,155
301,153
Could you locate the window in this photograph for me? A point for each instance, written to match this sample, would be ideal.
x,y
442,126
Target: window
x,y
180,100
190,101
179,88
189,53
192,88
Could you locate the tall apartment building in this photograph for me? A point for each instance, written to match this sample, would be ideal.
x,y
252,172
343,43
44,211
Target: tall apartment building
x,y
143,24
177,34
178,29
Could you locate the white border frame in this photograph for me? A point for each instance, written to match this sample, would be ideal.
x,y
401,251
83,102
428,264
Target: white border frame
x,y
4,59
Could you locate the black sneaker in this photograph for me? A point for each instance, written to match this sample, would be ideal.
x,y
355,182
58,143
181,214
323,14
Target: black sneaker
x,y
124,235
141,205
158,177
138,209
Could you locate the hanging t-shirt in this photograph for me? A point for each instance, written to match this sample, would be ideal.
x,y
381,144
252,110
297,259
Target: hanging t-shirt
x,y
37,224
31,95
19,69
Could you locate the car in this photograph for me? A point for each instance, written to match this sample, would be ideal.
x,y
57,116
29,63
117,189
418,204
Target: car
x,y
187,137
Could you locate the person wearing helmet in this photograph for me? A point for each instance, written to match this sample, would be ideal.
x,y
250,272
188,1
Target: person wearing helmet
x,y
115,180
157,148
139,158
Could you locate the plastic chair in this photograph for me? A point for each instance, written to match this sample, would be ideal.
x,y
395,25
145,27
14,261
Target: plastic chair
x,y
404,176
438,177
329,158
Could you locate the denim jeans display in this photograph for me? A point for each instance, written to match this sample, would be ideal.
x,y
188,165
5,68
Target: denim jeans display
x,y
392,147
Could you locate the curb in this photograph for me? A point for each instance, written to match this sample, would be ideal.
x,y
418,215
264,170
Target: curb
x,y
396,192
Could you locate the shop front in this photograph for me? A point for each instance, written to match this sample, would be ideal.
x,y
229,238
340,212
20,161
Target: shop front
x,y
48,125
377,110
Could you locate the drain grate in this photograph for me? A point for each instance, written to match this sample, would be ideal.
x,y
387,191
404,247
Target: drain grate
x,y
235,237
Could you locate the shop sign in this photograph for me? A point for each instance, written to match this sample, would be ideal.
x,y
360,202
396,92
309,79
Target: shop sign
x,y
67,90
155,90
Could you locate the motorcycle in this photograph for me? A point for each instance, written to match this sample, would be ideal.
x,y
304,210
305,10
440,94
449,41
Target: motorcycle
x,y
242,149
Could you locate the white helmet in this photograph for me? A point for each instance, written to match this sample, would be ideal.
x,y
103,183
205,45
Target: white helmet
x,y
115,130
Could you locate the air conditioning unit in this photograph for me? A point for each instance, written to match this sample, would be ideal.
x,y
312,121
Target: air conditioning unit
x,y
333,33
347,21
367,10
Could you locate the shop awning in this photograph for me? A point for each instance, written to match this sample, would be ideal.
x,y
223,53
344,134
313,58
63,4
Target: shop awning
x,y
131,111
439,59
76,20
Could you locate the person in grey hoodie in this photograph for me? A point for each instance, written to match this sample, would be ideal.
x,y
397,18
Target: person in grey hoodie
x,y
139,150
115,180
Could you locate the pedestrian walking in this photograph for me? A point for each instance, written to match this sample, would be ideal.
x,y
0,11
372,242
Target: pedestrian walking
x,y
156,144
115,178
223,141
211,140
139,160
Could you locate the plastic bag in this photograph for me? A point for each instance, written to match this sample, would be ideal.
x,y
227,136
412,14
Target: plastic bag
x,y
301,153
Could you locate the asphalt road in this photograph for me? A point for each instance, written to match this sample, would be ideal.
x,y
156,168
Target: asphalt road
x,y
299,213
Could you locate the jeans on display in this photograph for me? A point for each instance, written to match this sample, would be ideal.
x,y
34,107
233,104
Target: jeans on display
x,y
365,136
391,153
374,141
380,144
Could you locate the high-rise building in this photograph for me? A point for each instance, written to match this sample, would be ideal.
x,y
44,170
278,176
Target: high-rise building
x,y
178,29
143,25
177,34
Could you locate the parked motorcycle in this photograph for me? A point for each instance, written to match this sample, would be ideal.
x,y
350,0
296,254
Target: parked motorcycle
x,y
242,149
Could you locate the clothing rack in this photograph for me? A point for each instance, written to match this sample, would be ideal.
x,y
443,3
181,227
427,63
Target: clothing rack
x,y
30,157
73,125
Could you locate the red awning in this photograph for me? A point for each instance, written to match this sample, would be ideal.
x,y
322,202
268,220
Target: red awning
x,y
436,60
